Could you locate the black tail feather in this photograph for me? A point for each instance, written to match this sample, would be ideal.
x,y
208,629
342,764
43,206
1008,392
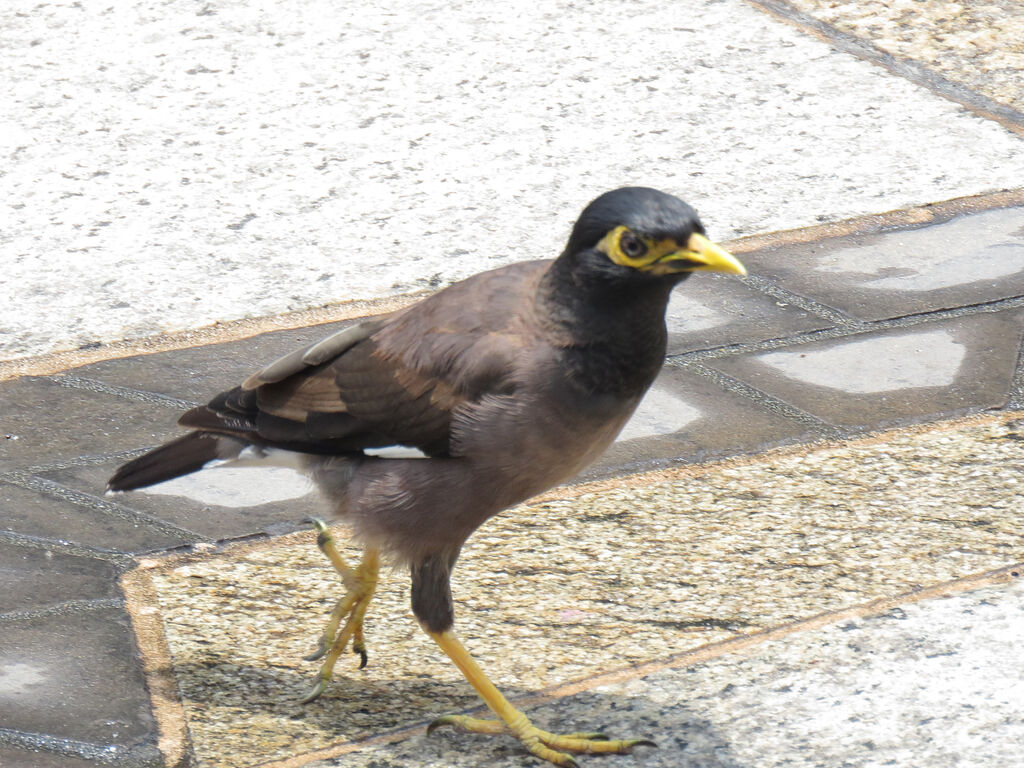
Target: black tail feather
x,y
179,457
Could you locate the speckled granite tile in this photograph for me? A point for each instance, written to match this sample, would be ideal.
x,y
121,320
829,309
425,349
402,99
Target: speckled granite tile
x,y
563,589
167,168
935,684
979,43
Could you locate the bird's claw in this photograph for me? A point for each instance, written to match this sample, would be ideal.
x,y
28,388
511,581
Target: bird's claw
x,y
363,657
320,651
313,695
548,746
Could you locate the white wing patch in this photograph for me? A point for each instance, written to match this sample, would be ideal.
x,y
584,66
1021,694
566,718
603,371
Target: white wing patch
x,y
396,452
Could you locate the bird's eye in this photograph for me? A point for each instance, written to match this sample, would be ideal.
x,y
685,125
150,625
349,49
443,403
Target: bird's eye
x,y
632,246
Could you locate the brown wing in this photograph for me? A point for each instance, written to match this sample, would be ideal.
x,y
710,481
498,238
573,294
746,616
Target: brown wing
x,y
395,380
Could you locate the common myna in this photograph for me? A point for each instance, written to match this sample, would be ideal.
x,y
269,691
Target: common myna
x,y
505,384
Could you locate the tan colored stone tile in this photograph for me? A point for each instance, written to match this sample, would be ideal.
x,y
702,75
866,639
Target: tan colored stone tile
x,y
567,588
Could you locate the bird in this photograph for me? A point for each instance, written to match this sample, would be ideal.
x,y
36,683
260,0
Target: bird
x,y
419,425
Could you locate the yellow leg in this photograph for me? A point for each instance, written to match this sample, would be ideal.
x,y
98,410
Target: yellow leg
x,y
541,743
360,584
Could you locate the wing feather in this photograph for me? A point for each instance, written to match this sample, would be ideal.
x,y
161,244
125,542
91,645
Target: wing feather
x,y
394,380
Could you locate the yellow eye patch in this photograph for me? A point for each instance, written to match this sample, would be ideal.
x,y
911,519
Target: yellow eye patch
x,y
611,244
666,256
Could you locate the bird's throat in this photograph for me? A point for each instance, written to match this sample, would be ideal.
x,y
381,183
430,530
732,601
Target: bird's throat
x,y
612,335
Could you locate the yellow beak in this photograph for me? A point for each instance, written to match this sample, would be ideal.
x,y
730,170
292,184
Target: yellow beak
x,y
700,255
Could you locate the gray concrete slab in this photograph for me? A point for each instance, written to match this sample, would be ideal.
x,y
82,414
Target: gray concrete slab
x,y
25,758
32,513
222,504
199,373
246,161
714,311
893,376
48,422
687,418
35,579
74,678
970,259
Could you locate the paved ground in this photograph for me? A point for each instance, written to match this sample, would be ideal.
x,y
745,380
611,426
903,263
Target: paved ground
x,y
804,550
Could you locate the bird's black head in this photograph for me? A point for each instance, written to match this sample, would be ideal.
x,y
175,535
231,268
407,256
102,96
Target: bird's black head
x,y
638,233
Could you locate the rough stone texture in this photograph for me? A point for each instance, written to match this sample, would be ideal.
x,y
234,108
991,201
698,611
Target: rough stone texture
x,y
979,43
935,683
969,260
548,592
168,166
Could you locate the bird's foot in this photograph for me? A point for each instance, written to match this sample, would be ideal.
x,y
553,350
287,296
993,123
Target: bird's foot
x,y
547,746
360,583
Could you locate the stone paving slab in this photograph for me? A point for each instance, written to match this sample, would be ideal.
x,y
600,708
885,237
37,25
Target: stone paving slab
x,y
892,376
688,418
977,43
193,512
873,519
970,259
166,170
711,311
935,683
37,578
31,513
47,422
74,676
19,758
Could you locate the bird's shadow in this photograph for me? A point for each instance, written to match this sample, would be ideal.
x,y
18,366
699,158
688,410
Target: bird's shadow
x,y
356,708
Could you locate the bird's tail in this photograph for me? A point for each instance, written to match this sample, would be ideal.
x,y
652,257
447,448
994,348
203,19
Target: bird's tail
x,y
179,457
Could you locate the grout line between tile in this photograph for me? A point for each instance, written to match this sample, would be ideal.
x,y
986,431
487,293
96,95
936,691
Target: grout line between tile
x,y
62,609
825,334
112,755
822,428
833,315
118,559
56,490
140,395
908,69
